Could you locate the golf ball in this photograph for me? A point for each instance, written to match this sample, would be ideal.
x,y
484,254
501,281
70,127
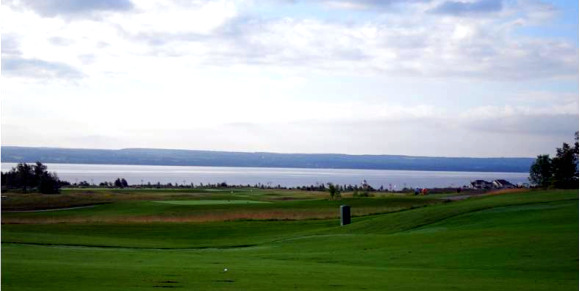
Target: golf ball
x,y
226,269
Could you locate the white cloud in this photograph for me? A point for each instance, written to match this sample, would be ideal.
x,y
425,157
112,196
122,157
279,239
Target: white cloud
x,y
214,75
215,33
71,8
418,45
166,17
34,68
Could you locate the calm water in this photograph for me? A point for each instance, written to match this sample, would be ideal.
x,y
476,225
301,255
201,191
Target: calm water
x,y
136,174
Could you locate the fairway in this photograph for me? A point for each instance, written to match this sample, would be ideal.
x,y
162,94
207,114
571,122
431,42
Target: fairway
x,y
209,202
520,241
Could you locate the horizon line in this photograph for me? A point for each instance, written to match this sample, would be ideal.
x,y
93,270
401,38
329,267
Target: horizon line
x,y
265,152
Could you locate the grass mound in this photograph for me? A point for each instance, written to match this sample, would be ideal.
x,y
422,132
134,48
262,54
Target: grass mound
x,y
407,220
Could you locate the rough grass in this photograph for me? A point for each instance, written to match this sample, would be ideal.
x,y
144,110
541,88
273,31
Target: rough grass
x,y
206,215
88,196
145,207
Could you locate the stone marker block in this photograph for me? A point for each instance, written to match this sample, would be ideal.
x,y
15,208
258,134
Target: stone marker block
x,y
344,215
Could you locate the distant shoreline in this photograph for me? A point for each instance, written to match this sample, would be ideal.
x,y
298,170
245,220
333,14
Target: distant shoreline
x,y
257,167
165,157
287,177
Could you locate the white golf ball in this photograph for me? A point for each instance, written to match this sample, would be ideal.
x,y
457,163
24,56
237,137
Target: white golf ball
x,y
226,269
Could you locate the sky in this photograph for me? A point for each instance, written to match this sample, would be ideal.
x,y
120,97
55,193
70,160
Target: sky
x,y
478,78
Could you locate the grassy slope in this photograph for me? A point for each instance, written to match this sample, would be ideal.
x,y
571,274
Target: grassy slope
x,y
143,206
510,242
84,196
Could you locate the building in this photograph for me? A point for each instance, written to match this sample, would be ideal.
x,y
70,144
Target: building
x,y
481,184
502,184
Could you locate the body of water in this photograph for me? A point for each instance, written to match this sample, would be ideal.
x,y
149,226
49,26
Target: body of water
x,y
288,177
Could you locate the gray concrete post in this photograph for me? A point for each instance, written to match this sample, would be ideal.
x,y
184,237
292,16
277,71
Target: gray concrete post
x,y
344,215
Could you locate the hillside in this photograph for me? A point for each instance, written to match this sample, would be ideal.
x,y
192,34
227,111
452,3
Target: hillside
x,y
261,159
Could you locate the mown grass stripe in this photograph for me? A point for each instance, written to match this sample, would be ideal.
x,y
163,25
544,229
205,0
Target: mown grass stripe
x,y
210,202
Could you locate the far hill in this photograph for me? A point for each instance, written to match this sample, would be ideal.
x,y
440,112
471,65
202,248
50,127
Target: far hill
x,y
275,160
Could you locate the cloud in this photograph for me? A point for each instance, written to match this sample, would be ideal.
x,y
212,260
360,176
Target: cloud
x,y
543,125
10,45
222,34
533,12
60,41
415,43
38,69
468,8
367,4
476,49
73,8
517,135
567,99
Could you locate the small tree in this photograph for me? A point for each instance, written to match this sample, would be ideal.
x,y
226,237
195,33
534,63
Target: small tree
x,y
541,171
333,191
84,184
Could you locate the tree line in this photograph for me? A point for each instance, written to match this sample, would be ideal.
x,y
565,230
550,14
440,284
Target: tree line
x,y
33,177
560,171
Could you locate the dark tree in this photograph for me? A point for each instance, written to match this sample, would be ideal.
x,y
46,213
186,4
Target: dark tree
x,y
576,152
49,183
564,167
39,170
118,183
541,171
124,183
84,184
26,177
559,172
576,145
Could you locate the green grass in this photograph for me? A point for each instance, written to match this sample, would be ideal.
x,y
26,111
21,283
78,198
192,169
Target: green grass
x,y
526,241
162,235
87,196
195,207
209,202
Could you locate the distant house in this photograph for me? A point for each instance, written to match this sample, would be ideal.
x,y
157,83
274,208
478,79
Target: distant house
x,y
502,184
481,184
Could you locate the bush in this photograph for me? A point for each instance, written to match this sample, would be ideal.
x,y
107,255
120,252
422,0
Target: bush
x,y
333,191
